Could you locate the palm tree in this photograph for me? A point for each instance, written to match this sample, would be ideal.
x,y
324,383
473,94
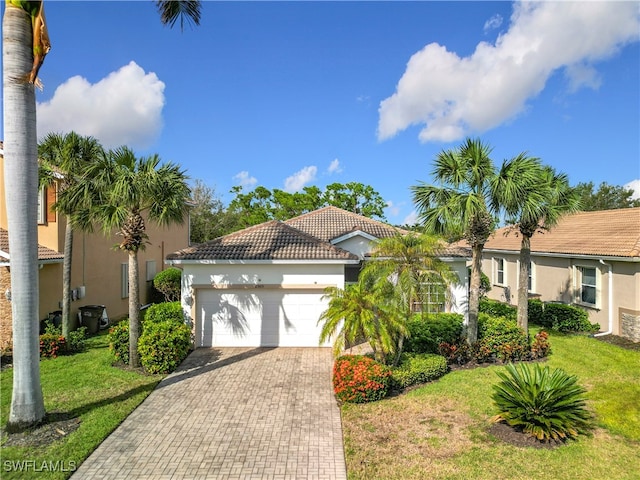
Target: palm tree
x,y
361,311
25,43
411,263
460,207
533,197
120,190
63,159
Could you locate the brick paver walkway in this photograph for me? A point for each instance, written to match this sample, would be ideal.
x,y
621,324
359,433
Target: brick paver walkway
x,y
232,413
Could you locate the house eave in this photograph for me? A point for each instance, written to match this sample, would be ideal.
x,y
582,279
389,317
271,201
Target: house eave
x,y
261,262
582,256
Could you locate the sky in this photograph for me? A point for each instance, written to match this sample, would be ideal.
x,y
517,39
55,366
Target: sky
x,y
291,94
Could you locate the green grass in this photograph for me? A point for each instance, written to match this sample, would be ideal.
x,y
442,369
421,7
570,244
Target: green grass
x,y
439,431
83,386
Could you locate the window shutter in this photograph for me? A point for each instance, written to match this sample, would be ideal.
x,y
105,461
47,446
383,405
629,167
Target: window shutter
x,y
51,199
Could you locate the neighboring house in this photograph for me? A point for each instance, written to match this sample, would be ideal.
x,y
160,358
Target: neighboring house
x,y
590,259
99,272
263,286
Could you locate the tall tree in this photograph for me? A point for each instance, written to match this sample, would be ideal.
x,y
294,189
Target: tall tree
x,y
412,265
605,197
25,45
21,59
534,197
120,191
209,218
357,198
459,206
63,159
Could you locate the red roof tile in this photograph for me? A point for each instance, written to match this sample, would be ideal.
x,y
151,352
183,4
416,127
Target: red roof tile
x,y
44,253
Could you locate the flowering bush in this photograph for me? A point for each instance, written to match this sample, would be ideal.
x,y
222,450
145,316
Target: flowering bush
x,y
360,379
51,345
540,347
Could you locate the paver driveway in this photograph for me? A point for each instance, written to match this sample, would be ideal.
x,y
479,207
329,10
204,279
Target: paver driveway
x,y
231,413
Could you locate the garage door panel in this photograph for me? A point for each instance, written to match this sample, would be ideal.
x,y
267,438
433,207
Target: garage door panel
x,y
264,318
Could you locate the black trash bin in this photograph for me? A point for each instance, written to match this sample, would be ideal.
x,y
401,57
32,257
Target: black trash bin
x,y
90,316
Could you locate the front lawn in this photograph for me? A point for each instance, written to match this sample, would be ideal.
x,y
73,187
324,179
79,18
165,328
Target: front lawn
x,y
440,430
85,400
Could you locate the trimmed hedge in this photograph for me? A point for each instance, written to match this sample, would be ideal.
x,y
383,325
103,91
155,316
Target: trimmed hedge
x,y
119,341
427,333
501,338
168,283
567,318
164,312
419,368
163,345
360,379
496,308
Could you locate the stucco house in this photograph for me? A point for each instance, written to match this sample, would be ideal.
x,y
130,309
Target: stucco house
x,y
590,259
263,286
99,272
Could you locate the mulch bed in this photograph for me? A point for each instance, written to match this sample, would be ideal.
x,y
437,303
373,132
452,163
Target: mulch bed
x,y
513,436
54,427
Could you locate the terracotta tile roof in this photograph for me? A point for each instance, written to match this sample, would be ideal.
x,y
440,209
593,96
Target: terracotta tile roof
x,y
272,240
329,223
614,233
44,253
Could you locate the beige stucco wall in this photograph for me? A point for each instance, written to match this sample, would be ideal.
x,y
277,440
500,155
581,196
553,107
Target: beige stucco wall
x,y
553,280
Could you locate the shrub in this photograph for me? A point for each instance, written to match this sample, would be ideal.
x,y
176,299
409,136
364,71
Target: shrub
x,y
456,353
548,405
52,345
163,345
360,379
567,318
540,347
76,340
501,338
535,311
419,368
497,309
427,333
168,283
164,312
119,341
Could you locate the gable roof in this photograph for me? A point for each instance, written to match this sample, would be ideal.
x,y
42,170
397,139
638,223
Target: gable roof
x,y
45,255
330,223
273,240
611,233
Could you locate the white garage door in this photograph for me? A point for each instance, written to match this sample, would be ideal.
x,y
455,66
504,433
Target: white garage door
x,y
254,318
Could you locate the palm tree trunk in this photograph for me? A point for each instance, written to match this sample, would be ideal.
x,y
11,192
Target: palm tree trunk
x,y
523,283
66,280
474,293
134,310
21,187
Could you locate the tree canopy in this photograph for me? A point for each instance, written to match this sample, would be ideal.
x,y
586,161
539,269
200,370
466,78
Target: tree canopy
x,y
605,197
261,204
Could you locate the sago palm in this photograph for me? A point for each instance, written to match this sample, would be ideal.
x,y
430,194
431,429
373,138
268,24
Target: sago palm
x,y
534,197
546,404
460,206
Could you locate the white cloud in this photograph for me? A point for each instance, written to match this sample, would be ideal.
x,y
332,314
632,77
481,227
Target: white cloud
x,y
453,96
411,219
394,210
493,23
124,108
244,179
334,166
295,182
635,186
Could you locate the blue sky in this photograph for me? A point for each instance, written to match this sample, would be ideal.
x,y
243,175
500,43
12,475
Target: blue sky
x,y
289,94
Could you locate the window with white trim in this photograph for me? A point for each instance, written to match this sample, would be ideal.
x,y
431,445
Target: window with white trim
x,y
42,207
530,279
499,277
432,298
124,275
587,285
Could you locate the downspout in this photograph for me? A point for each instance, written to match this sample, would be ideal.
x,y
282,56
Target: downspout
x,y
610,274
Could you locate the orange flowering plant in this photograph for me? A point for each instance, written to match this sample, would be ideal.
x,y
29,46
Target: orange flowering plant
x,y
360,379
